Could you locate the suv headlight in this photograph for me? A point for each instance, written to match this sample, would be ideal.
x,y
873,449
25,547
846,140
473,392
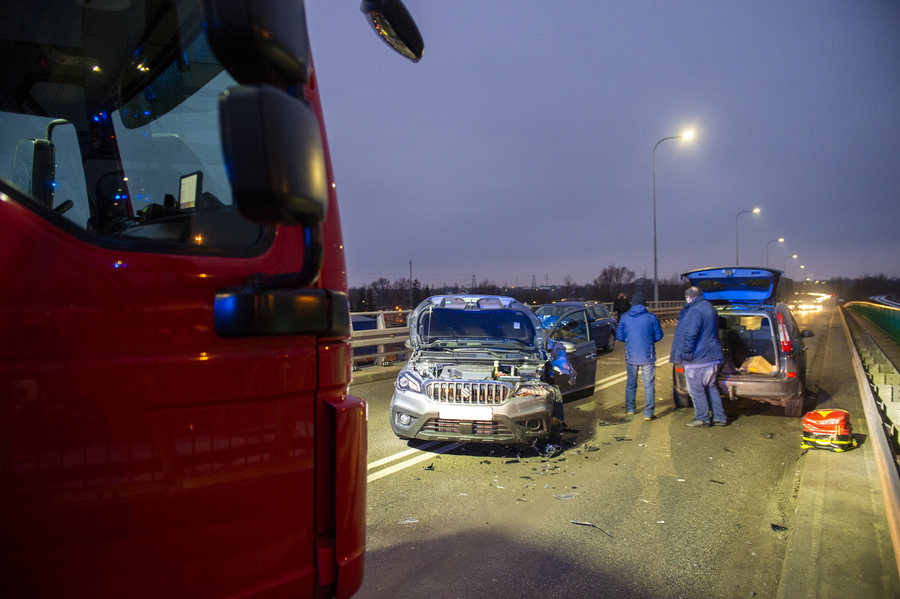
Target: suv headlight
x,y
409,382
530,388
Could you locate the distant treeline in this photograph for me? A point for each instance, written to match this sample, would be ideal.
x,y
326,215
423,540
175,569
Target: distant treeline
x,y
403,293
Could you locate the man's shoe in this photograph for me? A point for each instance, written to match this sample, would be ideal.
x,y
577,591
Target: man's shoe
x,y
720,422
697,424
630,413
650,417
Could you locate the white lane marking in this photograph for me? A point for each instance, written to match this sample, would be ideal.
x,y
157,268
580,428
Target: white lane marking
x,y
621,377
602,384
402,454
411,461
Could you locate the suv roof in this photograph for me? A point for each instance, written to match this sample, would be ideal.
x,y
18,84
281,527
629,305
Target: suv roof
x,y
730,285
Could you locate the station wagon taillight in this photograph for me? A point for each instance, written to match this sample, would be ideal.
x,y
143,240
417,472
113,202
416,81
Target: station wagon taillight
x,y
787,345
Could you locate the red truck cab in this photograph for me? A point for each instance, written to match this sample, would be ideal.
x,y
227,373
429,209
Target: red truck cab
x,y
175,358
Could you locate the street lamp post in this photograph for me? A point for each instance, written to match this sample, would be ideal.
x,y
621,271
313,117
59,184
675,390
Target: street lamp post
x,y
685,135
795,270
737,261
784,262
779,240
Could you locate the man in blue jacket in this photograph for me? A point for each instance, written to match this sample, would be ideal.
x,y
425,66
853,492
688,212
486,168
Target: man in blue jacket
x,y
696,345
640,330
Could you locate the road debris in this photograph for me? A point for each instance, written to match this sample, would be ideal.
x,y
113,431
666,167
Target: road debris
x,y
566,496
778,528
429,466
591,524
409,520
623,439
718,482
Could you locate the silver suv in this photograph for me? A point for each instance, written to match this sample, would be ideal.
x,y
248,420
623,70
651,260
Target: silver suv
x,y
482,369
765,359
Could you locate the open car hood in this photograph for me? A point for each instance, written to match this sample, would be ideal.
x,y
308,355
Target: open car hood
x,y
736,285
472,320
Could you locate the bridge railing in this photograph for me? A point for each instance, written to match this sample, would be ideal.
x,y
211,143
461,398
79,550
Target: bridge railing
x,y
379,337
886,318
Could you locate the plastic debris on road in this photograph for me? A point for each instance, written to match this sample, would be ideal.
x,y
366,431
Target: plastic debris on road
x,y
591,524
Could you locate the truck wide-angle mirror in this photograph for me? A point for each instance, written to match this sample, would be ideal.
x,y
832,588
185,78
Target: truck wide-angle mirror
x,y
393,23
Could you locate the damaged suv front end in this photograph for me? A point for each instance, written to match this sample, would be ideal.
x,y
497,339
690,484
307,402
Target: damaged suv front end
x,y
480,371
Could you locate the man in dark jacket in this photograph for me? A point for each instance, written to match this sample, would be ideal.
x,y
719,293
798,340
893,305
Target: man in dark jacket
x,y
620,306
696,345
640,330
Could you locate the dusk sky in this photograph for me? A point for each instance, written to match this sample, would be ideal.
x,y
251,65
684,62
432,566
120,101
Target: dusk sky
x,y
520,147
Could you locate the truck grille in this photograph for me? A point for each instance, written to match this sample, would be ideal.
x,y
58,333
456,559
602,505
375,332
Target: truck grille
x,y
469,393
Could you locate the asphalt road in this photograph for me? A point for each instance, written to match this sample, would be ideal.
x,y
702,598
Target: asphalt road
x,y
629,509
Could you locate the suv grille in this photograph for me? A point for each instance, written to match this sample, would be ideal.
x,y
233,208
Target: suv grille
x,y
482,393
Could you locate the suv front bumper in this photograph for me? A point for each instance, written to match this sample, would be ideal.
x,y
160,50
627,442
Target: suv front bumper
x,y
520,420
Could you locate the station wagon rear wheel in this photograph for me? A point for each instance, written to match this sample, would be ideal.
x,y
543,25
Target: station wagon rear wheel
x,y
682,400
793,408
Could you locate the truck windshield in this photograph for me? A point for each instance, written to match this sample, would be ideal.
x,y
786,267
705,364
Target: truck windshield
x,y
109,125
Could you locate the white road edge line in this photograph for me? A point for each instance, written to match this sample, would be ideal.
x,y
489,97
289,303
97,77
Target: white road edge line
x,y
402,454
411,462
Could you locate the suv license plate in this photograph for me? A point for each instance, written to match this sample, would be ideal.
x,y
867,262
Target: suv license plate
x,y
466,413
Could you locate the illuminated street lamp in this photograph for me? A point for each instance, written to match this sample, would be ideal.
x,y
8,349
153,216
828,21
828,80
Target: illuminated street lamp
x,y
737,261
685,135
795,271
784,262
779,240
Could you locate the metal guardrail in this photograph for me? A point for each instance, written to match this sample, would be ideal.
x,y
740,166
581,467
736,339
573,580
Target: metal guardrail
x,y
385,344
879,384
881,373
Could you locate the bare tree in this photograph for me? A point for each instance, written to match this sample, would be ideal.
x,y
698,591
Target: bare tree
x,y
612,280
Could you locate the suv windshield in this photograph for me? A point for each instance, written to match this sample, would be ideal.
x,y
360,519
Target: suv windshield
x,y
437,324
109,125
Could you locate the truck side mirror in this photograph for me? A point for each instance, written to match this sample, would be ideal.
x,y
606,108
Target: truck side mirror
x,y
274,156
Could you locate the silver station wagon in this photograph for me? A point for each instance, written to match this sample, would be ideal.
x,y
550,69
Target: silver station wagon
x,y
483,370
765,359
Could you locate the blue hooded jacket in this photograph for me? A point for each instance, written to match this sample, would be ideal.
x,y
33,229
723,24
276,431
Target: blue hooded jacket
x,y
640,330
697,335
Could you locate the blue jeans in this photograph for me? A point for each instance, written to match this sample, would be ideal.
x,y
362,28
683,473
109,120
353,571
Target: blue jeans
x,y
648,377
701,384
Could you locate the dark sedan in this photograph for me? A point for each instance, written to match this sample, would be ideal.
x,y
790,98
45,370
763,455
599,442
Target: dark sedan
x,y
601,323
